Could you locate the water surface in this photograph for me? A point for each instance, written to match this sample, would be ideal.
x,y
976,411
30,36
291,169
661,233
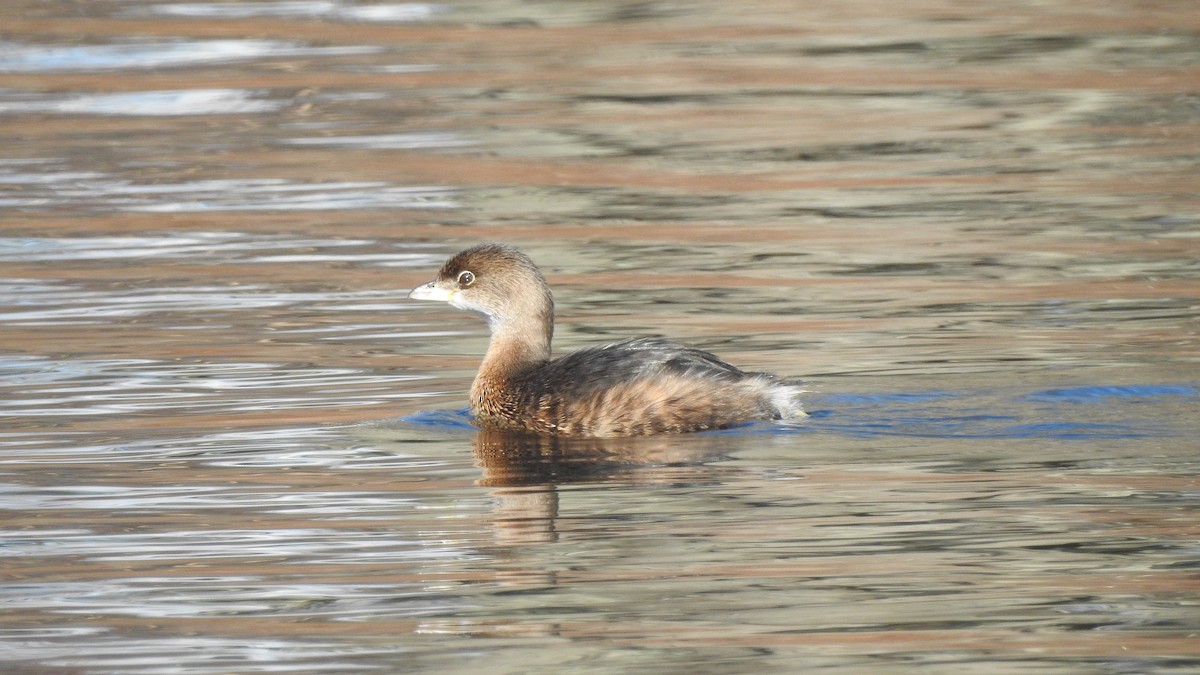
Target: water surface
x,y
228,443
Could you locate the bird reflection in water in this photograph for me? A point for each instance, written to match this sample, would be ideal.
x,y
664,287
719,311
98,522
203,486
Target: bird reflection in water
x,y
524,472
525,475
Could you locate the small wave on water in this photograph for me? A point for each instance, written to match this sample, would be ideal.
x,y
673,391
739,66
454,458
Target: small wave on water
x,y
263,194
403,12
225,247
1077,413
16,57
147,103
950,415
1098,394
62,389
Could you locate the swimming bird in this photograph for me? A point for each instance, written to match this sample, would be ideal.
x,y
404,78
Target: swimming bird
x,y
635,387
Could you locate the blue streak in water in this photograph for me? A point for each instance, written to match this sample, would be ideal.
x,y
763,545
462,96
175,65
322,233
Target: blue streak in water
x,y
1100,393
442,419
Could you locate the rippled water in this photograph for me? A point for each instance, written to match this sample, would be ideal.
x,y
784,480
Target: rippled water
x,y
228,443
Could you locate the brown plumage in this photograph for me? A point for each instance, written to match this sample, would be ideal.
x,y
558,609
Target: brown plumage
x,y
629,388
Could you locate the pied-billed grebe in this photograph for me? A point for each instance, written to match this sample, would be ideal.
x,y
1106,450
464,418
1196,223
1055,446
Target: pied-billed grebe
x,y
630,388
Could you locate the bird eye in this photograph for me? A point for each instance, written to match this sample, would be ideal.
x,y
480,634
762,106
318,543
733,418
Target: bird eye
x,y
465,278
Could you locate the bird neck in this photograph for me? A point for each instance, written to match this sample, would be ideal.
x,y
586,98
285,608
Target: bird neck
x,y
519,344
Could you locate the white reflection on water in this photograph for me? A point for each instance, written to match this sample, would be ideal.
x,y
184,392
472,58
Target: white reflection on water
x,y
310,545
407,141
110,654
216,246
52,388
289,448
103,191
140,55
155,597
33,303
338,11
321,505
263,194
149,103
